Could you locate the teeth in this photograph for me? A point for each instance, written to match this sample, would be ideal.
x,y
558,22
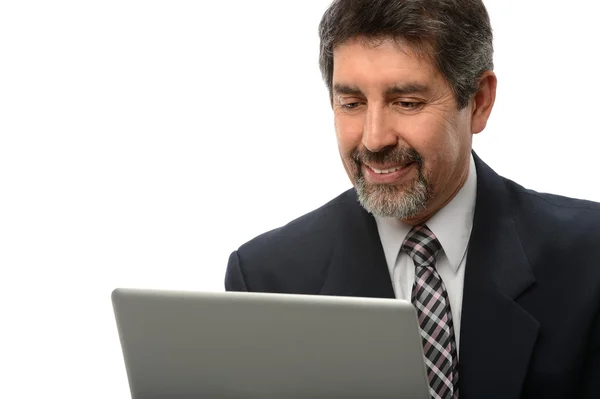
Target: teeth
x,y
382,171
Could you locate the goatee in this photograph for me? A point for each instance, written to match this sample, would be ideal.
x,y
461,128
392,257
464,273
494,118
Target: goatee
x,y
396,201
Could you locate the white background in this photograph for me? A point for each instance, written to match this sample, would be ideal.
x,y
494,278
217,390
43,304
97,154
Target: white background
x,y
142,141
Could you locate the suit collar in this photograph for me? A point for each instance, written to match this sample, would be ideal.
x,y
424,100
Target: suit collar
x,y
497,335
494,232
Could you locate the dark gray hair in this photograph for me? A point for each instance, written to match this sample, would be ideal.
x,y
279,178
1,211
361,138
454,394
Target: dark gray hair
x,y
455,35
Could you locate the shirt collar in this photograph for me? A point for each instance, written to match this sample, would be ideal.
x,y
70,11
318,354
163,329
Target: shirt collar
x,y
451,225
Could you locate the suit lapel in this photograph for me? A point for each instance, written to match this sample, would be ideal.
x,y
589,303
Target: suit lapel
x,y
497,335
358,266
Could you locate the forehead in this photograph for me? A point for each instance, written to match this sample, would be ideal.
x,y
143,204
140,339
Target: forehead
x,y
381,63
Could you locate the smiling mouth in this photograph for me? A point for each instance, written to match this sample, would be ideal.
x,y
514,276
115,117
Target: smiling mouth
x,y
388,170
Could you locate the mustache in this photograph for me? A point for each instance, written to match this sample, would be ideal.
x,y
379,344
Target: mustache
x,y
394,155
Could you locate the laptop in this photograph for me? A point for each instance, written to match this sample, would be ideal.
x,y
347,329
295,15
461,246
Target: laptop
x,y
180,344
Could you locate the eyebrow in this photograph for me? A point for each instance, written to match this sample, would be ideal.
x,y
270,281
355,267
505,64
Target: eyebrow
x,y
339,88
409,88
403,89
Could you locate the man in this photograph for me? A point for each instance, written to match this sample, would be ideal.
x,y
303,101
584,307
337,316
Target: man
x,y
505,280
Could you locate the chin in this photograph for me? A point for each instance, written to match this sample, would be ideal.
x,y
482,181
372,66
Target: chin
x,y
393,201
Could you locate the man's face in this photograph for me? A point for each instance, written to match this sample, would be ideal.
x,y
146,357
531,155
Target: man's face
x,y
403,141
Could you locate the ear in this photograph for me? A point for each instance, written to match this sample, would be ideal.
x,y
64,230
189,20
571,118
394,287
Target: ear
x,y
483,101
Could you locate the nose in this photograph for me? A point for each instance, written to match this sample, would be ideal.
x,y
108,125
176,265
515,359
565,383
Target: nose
x,y
377,133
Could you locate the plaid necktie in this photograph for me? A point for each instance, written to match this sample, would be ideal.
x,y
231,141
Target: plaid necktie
x,y
430,298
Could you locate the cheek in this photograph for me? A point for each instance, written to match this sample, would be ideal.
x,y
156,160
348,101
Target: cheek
x,y
348,133
447,153
437,145
429,139
349,138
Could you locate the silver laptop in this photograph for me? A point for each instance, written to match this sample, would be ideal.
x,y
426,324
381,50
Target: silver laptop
x,y
254,345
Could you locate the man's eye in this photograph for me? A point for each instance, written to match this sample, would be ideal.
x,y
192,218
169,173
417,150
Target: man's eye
x,y
409,104
350,105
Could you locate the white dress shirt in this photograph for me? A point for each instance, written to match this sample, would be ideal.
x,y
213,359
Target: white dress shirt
x,y
452,226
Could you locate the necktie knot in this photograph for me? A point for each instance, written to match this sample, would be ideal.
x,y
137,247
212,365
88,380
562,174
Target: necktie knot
x,y
422,246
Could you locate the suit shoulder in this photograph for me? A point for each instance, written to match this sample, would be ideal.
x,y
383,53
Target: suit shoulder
x,y
554,200
557,228
294,257
559,208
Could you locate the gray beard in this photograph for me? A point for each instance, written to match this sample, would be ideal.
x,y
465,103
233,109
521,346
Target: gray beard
x,y
404,202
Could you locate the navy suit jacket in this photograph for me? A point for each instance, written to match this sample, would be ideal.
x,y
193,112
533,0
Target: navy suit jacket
x,y
531,304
